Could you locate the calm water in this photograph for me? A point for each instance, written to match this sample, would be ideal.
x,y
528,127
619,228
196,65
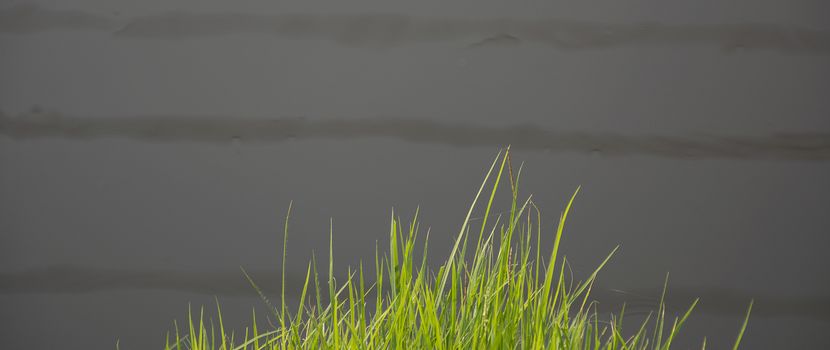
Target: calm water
x,y
148,151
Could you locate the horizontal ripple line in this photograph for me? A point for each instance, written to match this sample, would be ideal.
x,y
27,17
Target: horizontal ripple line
x,y
389,30
67,279
814,146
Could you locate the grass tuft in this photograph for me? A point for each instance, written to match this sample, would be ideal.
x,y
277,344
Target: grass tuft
x,y
502,296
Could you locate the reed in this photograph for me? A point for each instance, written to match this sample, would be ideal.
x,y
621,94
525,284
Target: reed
x,y
497,292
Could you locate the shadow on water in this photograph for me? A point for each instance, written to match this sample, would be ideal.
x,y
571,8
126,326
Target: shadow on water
x,y
776,146
387,30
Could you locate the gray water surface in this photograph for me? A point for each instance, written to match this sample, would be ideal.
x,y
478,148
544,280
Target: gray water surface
x,y
148,150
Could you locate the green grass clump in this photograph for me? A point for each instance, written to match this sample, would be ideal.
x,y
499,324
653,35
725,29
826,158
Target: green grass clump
x,y
498,294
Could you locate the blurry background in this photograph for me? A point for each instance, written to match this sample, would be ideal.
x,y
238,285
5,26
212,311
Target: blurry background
x,y
148,149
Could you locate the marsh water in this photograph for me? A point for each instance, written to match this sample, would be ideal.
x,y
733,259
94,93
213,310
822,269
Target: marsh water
x,y
149,150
